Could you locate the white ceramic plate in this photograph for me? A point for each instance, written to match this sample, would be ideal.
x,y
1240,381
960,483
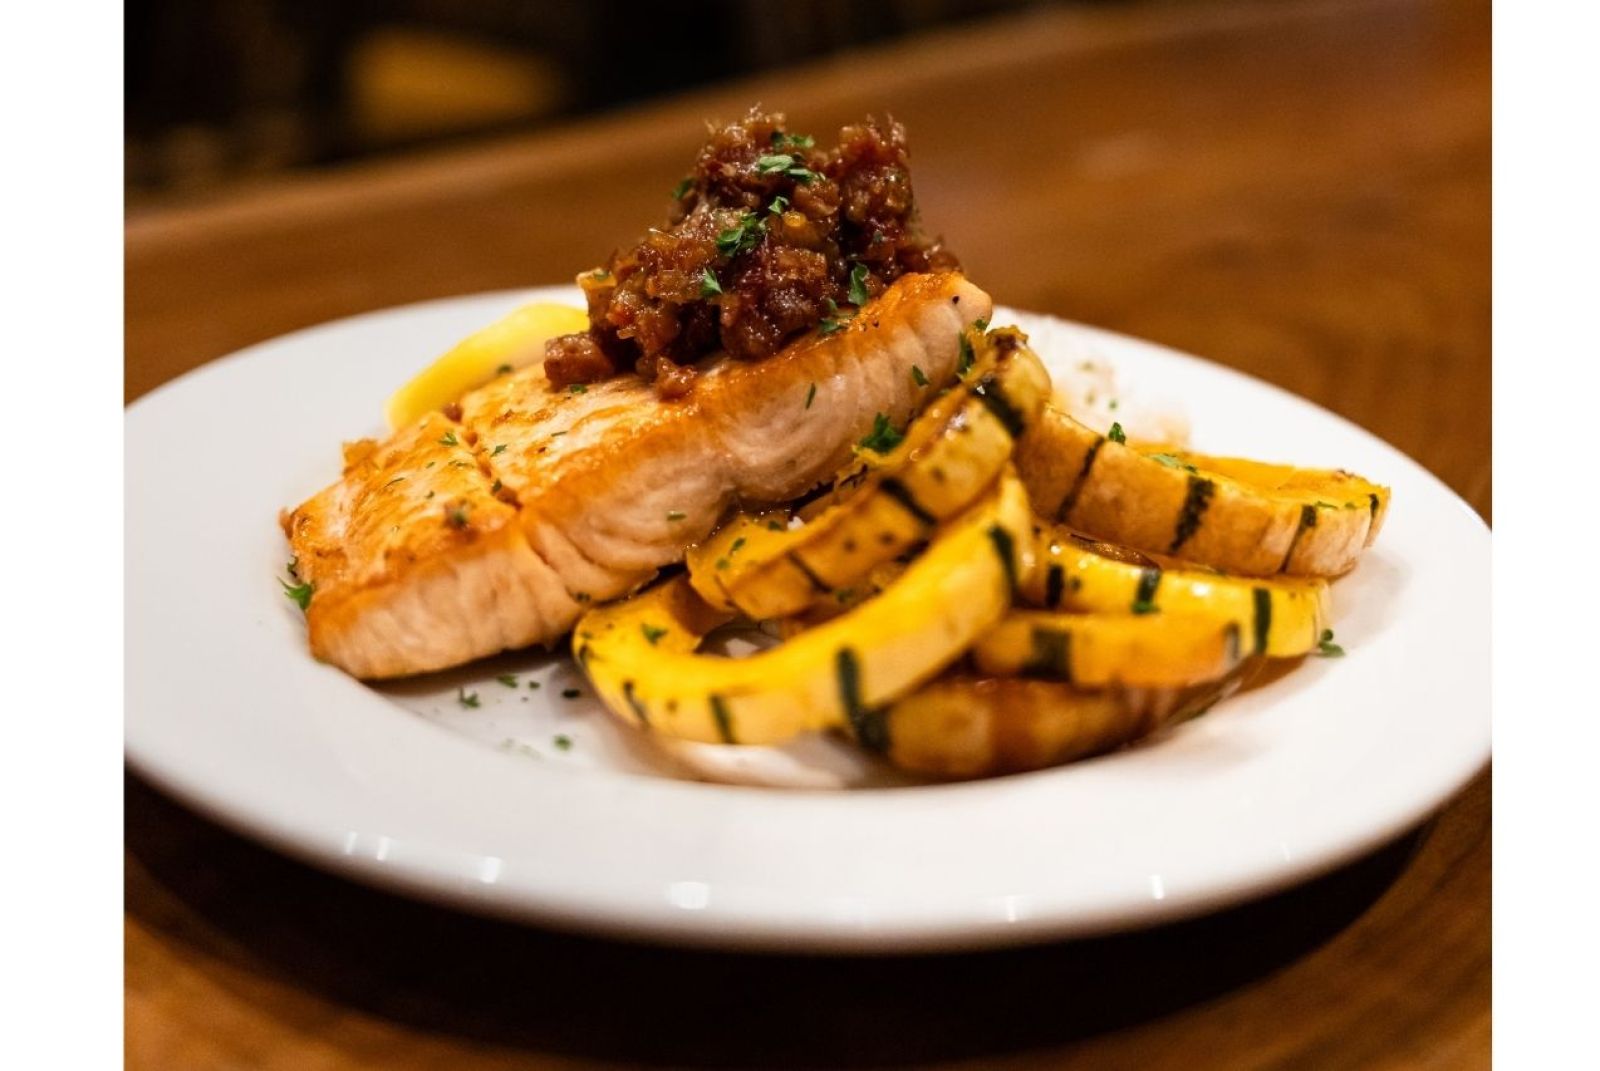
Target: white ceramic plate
x,y
535,806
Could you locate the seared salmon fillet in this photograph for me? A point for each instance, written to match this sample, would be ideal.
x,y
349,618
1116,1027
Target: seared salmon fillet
x,y
457,539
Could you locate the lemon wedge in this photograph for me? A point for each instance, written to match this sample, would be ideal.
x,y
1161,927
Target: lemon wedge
x,y
513,341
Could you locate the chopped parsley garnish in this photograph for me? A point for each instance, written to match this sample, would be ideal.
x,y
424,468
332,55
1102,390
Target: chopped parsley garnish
x,y
708,283
779,205
787,164
883,437
461,464
1116,434
858,286
498,450
1172,462
981,324
964,365
1144,606
811,395
293,568
734,549
502,370
917,377
394,481
833,321
533,685
457,516
448,438
799,141
570,693
845,594
652,633
494,488
1327,648
563,741
682,188
722,563
1112,405
466,698
300,594
774,526
741,237
508,679
578,388
676,515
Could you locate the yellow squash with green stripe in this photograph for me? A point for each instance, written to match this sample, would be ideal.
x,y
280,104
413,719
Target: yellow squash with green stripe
x,y
1245,517
1281,617
1097,650
642,654
959,726
768,568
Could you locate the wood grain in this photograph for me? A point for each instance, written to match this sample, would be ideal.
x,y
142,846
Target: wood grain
x,y
1298,190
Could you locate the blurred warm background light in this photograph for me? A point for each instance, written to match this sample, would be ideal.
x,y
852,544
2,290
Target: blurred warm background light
x,y
219,93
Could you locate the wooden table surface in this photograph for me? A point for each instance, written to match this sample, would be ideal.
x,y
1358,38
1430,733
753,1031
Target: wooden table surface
x,y
1298,190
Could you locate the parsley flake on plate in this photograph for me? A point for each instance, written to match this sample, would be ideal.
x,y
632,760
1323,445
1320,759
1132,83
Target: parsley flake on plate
x,y
299,594
1327,648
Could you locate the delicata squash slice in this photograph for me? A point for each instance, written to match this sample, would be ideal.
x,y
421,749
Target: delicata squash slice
x,y
1281,617
1097,650
960,726
641,653
1241,516
767,567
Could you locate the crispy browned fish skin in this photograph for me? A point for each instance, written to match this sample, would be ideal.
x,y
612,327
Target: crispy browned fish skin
x,y
427,555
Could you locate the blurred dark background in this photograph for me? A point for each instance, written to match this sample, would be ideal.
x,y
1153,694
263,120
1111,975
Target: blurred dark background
x,y
220,91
